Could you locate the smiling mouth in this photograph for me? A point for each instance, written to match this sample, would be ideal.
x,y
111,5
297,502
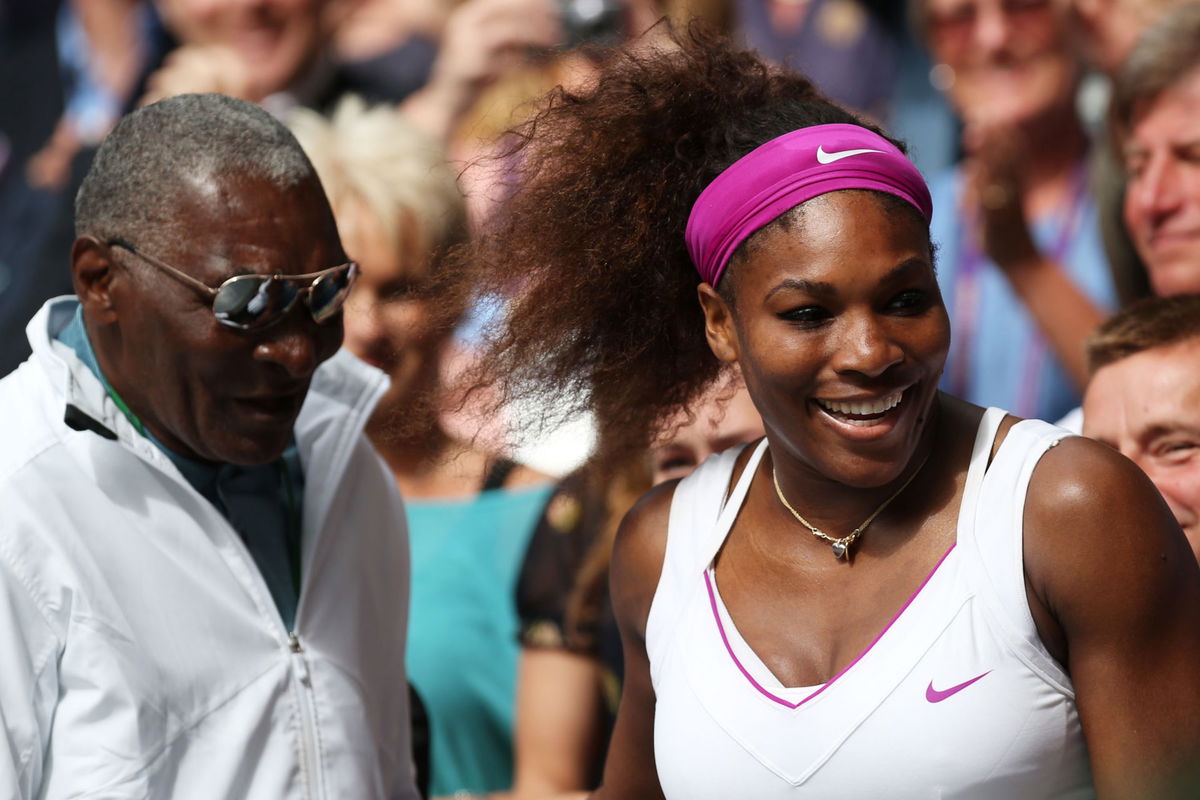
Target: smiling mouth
x,y
1168,238
863,413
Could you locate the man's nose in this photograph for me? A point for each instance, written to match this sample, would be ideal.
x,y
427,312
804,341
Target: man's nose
x,y
296,343
1155,192
1167,483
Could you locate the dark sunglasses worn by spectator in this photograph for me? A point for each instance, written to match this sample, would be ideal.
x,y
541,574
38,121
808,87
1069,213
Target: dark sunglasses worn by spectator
x,y
251,302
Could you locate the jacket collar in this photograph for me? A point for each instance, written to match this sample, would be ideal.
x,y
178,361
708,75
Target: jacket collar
x,y
343,385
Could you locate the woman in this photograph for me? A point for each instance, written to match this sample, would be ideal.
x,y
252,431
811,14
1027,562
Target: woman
x,y
470,513
1021,261
865,604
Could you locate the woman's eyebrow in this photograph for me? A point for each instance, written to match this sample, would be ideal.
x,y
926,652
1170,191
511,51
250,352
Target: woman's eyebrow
x,y
817,288
825,289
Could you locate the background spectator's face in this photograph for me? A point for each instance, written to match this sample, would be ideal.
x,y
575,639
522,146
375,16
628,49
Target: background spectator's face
x,y
1148,407
717,426
1162,201
277,39
206,390
387,326
1108,29
1010,58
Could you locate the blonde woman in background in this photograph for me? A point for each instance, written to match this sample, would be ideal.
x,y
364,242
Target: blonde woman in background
x,y
470,512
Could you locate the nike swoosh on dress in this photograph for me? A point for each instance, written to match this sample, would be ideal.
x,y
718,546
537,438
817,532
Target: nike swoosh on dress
x,y
828,158
936,696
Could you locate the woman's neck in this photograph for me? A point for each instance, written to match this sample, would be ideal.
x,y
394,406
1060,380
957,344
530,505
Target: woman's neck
x,y
428,463
843,508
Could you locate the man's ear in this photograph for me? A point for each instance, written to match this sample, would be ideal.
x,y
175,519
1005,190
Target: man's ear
x,y
92,273
718,324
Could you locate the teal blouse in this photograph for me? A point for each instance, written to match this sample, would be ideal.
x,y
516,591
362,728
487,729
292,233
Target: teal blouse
x,y
462,640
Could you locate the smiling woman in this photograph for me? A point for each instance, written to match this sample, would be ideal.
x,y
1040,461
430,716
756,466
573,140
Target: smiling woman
x,y
694,209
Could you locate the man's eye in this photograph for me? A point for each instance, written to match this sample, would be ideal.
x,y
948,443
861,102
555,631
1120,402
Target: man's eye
x,y
1176,450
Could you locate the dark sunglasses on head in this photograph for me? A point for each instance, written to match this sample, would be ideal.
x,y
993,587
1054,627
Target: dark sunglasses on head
x,y
249,302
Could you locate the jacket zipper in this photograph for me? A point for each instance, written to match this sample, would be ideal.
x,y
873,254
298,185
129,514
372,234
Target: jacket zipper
x,y
309,758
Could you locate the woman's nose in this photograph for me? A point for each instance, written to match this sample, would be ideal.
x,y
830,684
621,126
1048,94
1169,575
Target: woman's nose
x,y
867,347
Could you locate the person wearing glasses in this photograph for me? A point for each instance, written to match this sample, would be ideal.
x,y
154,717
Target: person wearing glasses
x,y
895,593
203,562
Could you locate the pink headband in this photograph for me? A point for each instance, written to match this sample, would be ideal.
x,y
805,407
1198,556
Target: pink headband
x,y
783,173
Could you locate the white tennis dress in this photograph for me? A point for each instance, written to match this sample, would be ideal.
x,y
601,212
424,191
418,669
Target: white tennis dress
x,y
956,698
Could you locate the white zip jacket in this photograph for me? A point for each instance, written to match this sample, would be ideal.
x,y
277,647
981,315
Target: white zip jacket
x,y
141,655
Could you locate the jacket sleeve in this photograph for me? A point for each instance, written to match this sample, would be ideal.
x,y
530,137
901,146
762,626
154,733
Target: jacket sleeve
x,y
29,653
376,482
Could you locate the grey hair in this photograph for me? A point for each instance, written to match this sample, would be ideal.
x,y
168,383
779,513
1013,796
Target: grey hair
x,y
139,170
1167,52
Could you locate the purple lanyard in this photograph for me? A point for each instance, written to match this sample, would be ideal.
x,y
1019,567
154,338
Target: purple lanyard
x,y
967,292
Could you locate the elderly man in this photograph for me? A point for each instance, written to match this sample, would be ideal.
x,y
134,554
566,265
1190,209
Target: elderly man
x,y
1157,103
203,563
1144,397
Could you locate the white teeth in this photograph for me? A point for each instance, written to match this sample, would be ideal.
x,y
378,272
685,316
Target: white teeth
x,y
862,407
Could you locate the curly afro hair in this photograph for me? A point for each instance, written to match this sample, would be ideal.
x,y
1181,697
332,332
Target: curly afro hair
x,y
590,246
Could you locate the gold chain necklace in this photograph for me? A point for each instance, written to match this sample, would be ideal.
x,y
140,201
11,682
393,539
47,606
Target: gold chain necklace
x,y
842,545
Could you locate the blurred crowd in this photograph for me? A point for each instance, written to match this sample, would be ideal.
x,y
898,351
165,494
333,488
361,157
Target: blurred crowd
x,y
1050,190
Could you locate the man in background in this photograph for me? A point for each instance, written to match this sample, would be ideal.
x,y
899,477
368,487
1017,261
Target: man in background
x,y
1144,397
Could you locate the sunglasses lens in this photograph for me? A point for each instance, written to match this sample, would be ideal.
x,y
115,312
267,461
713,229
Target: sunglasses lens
x,y
251,301
330,290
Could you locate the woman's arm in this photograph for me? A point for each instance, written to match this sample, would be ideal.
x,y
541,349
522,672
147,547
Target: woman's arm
x,y
1115,590
629,770
560,720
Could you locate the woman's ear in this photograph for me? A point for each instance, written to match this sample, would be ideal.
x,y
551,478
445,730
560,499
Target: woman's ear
x,y
718,324
92,271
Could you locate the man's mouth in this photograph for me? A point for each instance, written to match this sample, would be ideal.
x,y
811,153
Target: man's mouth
x,y
1164,238
273,405
861,412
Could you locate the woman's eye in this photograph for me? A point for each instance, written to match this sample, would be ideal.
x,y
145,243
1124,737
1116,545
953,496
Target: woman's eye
x,y
910,300
1134,167
400,289
806,315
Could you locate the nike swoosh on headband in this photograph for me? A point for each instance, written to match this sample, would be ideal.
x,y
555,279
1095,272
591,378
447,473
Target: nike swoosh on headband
x,y
829,158
935,696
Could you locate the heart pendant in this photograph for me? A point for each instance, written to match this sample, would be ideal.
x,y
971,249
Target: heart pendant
x,y
839,549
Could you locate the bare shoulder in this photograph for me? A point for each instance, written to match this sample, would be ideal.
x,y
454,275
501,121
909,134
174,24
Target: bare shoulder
x,y
1091,489
638,553
1093,520
1115,591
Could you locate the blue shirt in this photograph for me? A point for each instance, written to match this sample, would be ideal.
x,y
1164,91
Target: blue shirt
x,y
998,355
262,503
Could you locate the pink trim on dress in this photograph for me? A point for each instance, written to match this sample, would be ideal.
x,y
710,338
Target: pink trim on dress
x,y
712,599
